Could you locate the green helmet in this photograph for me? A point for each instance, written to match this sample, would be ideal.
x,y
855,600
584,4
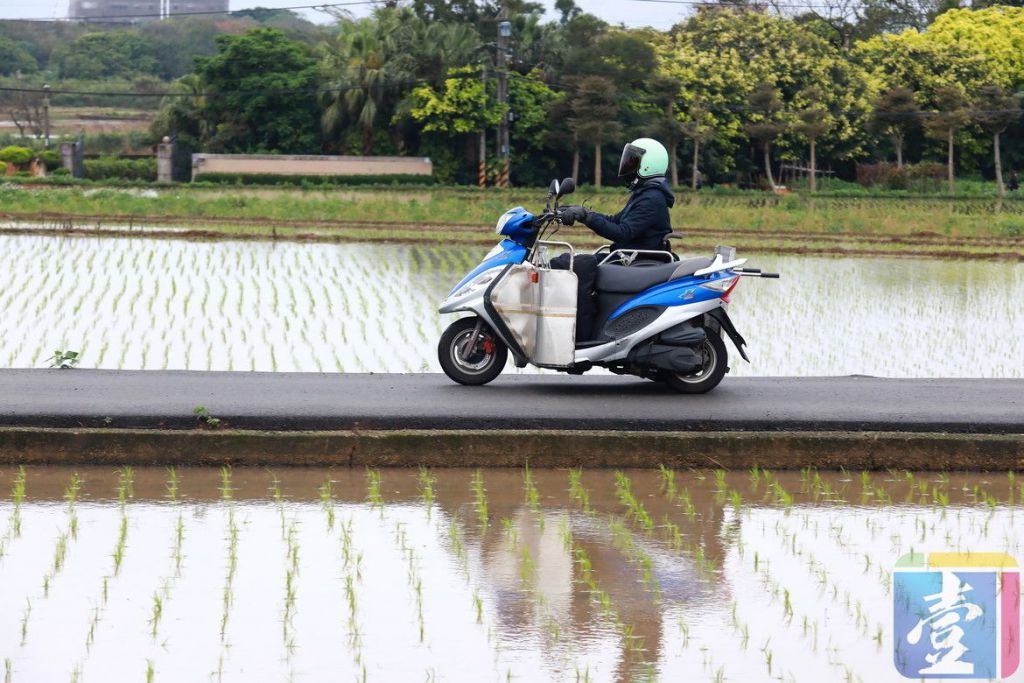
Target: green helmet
x,y
642,159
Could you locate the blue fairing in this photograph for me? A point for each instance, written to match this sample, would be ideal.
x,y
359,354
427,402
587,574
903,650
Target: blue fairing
x,y
510,253
675,293
516,224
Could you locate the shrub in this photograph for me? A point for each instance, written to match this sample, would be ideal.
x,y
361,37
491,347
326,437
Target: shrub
x,y
113,168
50,158
17,156
61,171
3,169
312,181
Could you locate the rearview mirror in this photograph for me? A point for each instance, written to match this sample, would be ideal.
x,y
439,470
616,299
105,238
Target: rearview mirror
x,y
568,186
553,189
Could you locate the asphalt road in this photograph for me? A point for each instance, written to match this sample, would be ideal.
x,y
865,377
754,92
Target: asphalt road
x,y
303,401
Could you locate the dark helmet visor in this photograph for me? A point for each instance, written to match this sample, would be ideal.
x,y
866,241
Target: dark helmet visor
x,y
629,165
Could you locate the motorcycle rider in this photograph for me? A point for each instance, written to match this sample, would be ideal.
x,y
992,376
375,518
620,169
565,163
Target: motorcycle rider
x,y
644,222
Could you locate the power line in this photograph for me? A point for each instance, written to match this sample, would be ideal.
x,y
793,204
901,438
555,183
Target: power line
x,y
753,5
319,7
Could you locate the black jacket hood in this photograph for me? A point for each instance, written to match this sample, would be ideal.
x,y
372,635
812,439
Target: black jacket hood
x,y
659,184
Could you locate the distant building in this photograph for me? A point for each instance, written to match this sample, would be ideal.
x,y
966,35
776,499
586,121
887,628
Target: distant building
x,y
173,7
132,11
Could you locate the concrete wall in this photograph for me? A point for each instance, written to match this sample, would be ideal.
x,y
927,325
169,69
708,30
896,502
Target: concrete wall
x,y
283,164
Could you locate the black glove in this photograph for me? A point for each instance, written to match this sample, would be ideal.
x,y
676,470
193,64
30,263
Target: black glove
x,y
568,215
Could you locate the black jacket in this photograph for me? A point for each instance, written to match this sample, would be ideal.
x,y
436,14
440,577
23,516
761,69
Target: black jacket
x,y
643,223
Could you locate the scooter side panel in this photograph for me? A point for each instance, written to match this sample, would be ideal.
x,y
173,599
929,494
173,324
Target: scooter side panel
x,y
682,292
510,253
618,349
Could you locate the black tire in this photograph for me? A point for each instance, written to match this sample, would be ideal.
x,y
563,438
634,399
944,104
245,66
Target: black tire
x,y
482,366
707,377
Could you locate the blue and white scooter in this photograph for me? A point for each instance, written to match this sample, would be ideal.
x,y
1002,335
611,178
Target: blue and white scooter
x,y
658,317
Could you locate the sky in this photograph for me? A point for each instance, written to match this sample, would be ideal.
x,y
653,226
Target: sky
x,y
628,12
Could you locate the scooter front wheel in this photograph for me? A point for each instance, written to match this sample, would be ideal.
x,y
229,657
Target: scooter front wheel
x,y
467,360
714,365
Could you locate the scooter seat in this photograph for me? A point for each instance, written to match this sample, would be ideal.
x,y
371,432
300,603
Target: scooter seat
x,y
688,267
619,279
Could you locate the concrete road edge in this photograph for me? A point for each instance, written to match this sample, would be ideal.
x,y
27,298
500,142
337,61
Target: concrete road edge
x,y
513,448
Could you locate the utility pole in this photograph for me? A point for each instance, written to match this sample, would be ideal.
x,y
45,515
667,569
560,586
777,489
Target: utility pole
x,y
46,113
504,34
481,176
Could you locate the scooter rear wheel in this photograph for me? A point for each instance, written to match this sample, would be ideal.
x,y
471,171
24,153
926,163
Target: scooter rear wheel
x,y
481,362
709,374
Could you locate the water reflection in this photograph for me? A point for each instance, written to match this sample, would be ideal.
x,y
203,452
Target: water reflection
x,y
313,574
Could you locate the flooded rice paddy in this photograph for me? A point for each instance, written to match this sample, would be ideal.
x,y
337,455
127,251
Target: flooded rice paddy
x,y
144,303
455,575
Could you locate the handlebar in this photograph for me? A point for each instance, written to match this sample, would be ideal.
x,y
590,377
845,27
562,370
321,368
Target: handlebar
x,y
755,272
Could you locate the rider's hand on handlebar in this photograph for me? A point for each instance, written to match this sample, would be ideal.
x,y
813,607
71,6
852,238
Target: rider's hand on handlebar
x,y
568,215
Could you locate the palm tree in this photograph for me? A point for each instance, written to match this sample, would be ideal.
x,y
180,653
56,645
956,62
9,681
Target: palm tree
x,y
358,65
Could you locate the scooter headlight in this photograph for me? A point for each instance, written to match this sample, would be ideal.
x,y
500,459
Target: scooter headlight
x,y
476,284
503,221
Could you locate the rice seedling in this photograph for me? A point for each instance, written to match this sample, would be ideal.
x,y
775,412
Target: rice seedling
x,y
119,548
577,491
480,498
634,508
531,494
668,482
326,491
156,612
172,484
426,487
373,490
125,485
24,621
18,496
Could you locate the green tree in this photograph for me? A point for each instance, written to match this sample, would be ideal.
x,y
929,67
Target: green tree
x,y
952,115
261,94
595,115
766,123
896,112
14,58
568,9
996,110
698,127
813,121
113,54
721,56
664,95
463,106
